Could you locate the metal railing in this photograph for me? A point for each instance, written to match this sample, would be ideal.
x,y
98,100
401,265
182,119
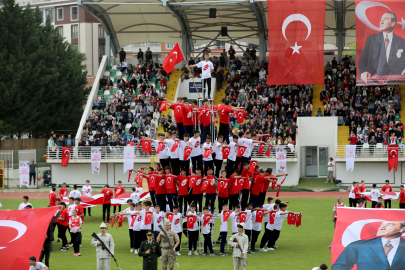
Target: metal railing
x,y
369,151
117,152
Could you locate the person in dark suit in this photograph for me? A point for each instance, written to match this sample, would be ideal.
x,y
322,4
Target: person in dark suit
x,y
383,53
387,251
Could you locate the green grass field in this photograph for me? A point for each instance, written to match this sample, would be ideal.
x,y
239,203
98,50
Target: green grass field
x,y
299,248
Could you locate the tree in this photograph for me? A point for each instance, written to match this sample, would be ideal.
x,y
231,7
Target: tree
x,y
42,77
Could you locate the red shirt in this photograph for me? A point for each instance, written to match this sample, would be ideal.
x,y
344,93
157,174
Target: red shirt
x,y
353,140
160,185
75,222
198,185
188,116
63,192
183,185
356,196
382,206
119,190
224,114
178,112
223,194
233,184
402,196
211,188
108,193
386,189
174,188
64,214
52,198
151,179
79,209
255,188
245,173
265,185
362,188
205,116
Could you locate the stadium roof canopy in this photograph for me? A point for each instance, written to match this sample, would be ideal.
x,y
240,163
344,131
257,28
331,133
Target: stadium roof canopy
x,y
188,22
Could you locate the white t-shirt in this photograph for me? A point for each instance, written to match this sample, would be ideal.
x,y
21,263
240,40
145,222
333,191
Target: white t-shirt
x,y
207,228
195,228
75,194
256,226
175,154
374,194
163,154
195,144
0,205
209,158
39,266
129,217
182,145
23,206
224,224
249,146
176,223
235,221
78,221
331,168
87,191
351,194
70,209
206,68
248,222
278,220
137,223
158,220
233,151
217,151
268,207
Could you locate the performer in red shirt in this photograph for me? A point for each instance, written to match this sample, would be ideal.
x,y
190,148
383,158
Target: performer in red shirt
x,y
63,192
171,188
387,188
108,193
224,119
357,195
223,195
160,188
183,191
205,117
211,190
118,190
234,190
178,115
363,189
197,193
52,197
401,197
63,225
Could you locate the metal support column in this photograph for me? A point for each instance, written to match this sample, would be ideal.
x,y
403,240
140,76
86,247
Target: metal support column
x,y
340,32
262,46
108,48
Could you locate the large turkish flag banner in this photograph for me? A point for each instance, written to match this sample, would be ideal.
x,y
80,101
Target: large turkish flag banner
x,y
393,157
174,57
296,41
23,235
380,61
65,156
359,237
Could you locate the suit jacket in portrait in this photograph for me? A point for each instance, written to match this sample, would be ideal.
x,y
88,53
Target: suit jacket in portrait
x,y
369,255
373,58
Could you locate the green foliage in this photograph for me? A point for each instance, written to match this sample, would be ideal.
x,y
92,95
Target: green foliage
x,y
42,77
350,46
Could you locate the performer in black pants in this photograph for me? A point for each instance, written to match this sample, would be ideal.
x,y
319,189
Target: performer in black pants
x,y
207,68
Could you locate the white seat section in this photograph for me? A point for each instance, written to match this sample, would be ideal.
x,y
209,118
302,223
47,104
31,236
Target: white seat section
x,y
127,127
119,73
114,67
106,73
379,145
366,145
106,92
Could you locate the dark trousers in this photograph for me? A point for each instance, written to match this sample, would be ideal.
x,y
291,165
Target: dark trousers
x,y
218,167
205,131
161,201
387,203
185,165
208,243
106,208
182,199
224,131
262,197
196,162
119,209
207,165
223,240
164,163
373,204
89,209
249,234
207,81
245,197
175,164
189,130
62,234
143,235
180,130
76,239
197,198
152,194
233,200
132,238
185,231
274,237
238,161
32,175
244,160
172,198
210,200
255,235
192,240
137,239
266,238
253,200
46,253
178,247
230,164
221,201
402,206
352,202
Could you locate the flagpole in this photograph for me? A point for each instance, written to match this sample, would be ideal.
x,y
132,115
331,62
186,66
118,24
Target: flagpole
x,y
185,59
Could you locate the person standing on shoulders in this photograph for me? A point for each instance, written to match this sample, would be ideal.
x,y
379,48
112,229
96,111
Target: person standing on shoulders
x,y
86,191
207,68
240,247
118,191
103,257
401,197
150,251
167,252
387,188
331,168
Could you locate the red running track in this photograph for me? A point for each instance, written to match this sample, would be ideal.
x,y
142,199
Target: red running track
x,y
292,195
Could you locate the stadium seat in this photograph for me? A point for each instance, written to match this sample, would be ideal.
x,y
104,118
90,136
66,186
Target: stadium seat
x,y
109,68
153,79
116,79
100,92
119,73
112,73
107,73
113,92
106,93
114,67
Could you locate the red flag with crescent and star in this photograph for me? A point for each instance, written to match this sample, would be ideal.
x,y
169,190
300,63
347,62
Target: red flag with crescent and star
x,y
268,151
160,147
227,214
392,157
241,151
191,220
175,145
225,152
242,217
129,174
207,219
297,219
272,215
187,152
163,106
222,184
173,58
241,182
253,164
148,218
207,153
146,147
261,148
259,215
65,156
273,183
169,216
278,190
296,41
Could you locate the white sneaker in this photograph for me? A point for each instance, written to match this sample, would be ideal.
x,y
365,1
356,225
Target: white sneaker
x,y
196,253
263,250
178,253
136,251
132,250
270,249
190,253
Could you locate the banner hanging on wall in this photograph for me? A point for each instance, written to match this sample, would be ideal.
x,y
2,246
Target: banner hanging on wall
x,y
350,156
281,160
95,159
24,173
128,158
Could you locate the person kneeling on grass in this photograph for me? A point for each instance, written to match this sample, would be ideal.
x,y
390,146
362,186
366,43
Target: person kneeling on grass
x,y
34,265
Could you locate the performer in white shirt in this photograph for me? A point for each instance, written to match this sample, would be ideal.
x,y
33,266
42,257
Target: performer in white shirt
x,y
374,194
207,68
24,204
75,193
86,191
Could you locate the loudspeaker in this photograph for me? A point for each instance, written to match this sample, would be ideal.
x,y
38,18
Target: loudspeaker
x,y
213,13
224,31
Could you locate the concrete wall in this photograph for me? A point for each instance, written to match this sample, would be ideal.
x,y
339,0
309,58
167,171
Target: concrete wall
x,y
23,144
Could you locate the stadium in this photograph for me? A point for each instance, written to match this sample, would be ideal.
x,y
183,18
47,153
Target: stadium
x,y
164,134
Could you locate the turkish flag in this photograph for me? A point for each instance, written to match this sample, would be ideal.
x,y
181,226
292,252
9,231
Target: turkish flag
x,y
298,219
129,174
146,147
191,220
169,181
282,182
65,156
205,184
207,153
222,184
225,152
296,41
392,157
241,151
113,220
140,143
239,115
187,152
148,218
133,220
139,179
291,218
227,214
242,217
268,151
259,215
207,219
23,235
160,147
193,180
119,223
273,183
241,181
278,190
272,216
173,58
170,217
175,145
253,164
163,106
261,148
